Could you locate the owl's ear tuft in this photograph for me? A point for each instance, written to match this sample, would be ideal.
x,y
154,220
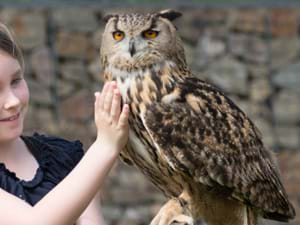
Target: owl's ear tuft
x,y
170,14
106,18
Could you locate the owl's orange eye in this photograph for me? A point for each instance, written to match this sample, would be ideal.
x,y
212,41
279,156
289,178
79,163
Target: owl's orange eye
x,y
118,35
150,34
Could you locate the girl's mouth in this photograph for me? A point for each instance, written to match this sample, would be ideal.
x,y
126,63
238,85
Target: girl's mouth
x,y
11,118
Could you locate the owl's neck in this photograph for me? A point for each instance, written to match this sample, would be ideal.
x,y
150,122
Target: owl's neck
x,y
149,83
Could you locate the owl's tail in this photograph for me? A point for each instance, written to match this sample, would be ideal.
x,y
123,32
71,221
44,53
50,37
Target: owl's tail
x,y
251,218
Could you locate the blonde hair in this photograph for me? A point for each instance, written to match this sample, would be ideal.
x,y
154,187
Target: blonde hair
x,y
9,45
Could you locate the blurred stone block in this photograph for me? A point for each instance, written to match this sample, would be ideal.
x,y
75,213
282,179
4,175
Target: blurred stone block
x,y
29,26
230,75
284,22
73,45
79,106
40,93
208,49
64,88
94,68
287,107
249,47
75,19
289,162
258,71
288,77
42,63
195,21
284,51
249,21
75,72
288,137
190,33
260,90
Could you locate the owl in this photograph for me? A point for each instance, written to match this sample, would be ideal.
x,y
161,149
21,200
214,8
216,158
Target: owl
x,y
189,139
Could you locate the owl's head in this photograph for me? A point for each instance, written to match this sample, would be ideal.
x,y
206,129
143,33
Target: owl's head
x,y
134,41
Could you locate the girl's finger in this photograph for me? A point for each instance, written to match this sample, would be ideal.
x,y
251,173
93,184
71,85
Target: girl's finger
x,y
103,94
123,119
115,106
97,99
108,97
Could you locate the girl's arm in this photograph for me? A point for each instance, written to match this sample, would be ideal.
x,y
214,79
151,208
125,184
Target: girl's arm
x,y
92,214
65,203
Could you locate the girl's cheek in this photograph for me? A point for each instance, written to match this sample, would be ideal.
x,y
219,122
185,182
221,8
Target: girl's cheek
x,y
23,92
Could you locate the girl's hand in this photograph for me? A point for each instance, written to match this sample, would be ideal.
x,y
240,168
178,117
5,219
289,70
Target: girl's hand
x,y
111,121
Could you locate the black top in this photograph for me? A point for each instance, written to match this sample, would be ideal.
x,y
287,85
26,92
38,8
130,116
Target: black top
x,y
56,158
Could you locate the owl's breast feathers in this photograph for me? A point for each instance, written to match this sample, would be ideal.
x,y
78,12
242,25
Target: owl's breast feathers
x,y
193,131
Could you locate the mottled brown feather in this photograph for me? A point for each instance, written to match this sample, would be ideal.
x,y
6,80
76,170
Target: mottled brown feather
x,y
218,144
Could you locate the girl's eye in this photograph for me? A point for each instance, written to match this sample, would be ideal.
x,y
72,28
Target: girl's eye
x,y
16,81
150,34
118,35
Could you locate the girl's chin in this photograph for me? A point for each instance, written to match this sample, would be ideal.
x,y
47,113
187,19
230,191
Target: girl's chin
x,y
10,135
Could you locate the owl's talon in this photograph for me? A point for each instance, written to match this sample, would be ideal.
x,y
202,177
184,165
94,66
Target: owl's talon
x,y
177,220
182,220
173,213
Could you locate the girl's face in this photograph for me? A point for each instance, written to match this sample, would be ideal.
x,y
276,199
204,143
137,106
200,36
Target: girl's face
x,y
14,98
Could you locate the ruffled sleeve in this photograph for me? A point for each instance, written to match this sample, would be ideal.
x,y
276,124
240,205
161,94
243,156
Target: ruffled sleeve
x,y
56,156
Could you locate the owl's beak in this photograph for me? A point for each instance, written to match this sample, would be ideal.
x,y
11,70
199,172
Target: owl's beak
x,y
131,47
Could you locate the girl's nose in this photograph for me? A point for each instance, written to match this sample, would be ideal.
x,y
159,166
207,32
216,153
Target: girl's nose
x,y
11,100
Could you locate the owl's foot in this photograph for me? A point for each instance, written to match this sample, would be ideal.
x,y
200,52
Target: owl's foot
x,y
172,220
172,213
182,220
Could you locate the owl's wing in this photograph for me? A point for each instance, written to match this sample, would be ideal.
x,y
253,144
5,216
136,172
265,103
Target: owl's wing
x,y
220,150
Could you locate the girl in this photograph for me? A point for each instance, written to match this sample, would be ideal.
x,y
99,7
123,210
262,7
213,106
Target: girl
x,y
47,180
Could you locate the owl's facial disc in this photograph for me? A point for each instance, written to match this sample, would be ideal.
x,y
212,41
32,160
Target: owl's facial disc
x,y
133,41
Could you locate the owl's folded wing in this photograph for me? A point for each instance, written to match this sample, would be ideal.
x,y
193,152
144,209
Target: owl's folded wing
x,y
203,147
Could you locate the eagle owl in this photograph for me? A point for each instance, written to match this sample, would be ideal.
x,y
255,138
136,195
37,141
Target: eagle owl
x,y
186,136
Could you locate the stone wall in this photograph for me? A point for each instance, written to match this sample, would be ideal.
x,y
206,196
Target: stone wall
x,y
253,54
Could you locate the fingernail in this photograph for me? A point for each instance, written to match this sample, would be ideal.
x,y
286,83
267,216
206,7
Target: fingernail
x,y
126,107
114,83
